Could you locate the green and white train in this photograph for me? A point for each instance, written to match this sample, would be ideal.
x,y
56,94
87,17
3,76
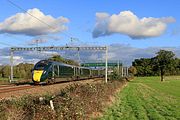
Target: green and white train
x,y
46,71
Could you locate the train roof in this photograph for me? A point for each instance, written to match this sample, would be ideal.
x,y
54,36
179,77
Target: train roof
x,y
64,64
54,62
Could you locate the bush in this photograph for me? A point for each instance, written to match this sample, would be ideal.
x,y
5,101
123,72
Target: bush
x,y
115,76
75,102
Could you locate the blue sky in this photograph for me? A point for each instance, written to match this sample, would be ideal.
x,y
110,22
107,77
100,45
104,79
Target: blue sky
x,y
82,21
82,18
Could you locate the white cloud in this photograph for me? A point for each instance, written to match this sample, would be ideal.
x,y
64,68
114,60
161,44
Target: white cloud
x,y
6,60
128,23
23,23
37,54
24,57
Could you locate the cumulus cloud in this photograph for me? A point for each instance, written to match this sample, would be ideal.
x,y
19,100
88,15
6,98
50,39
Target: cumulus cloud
x,y
128,23
24,57
24,23
6,60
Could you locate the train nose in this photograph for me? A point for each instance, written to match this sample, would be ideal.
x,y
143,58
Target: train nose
x,y
37,75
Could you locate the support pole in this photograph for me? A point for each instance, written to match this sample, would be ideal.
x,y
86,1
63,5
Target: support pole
x,y
118,68
74,71
79,57
106,69
58,70
127,72
122,72
11,61
53,72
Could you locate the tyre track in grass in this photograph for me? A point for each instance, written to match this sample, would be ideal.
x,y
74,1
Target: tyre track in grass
x,y
146,98
165,106
140,101
128,106
136,104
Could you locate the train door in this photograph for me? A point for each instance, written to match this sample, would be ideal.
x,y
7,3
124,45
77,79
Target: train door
x,y
55,71
50,73
75,71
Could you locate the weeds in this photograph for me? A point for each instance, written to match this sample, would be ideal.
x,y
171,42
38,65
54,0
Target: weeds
x,y
75,102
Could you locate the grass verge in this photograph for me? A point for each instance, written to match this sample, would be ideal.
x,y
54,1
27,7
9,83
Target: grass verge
x,y
147,98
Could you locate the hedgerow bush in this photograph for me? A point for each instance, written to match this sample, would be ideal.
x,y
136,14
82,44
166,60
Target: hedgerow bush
x,y
74,102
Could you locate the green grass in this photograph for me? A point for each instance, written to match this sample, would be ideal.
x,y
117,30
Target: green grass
x,y
3,78
147,98
6,80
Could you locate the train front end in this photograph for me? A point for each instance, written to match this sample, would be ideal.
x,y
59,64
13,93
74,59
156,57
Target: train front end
x,y
40,72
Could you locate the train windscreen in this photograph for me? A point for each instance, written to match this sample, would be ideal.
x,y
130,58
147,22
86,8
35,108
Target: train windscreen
x,y
41,65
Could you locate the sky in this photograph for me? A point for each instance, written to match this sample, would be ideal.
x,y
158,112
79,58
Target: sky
x,y
131,29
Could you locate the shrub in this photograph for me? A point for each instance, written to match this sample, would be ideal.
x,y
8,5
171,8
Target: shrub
x,y
74,102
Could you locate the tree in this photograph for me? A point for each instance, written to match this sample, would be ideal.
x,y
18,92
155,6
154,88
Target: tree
x,y
6,71
164,61
150,66
143,66
133,70
58,58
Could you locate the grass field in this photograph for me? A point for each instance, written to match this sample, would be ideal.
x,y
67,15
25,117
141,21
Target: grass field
x,y
147,98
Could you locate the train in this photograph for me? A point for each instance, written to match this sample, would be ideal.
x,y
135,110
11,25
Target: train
x,y
49,72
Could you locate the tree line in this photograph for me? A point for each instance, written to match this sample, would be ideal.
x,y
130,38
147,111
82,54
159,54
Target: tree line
x,y
164,63
22,70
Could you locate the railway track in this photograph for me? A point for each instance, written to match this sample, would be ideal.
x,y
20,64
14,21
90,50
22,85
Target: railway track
x,y
3,86
17,91
12,88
